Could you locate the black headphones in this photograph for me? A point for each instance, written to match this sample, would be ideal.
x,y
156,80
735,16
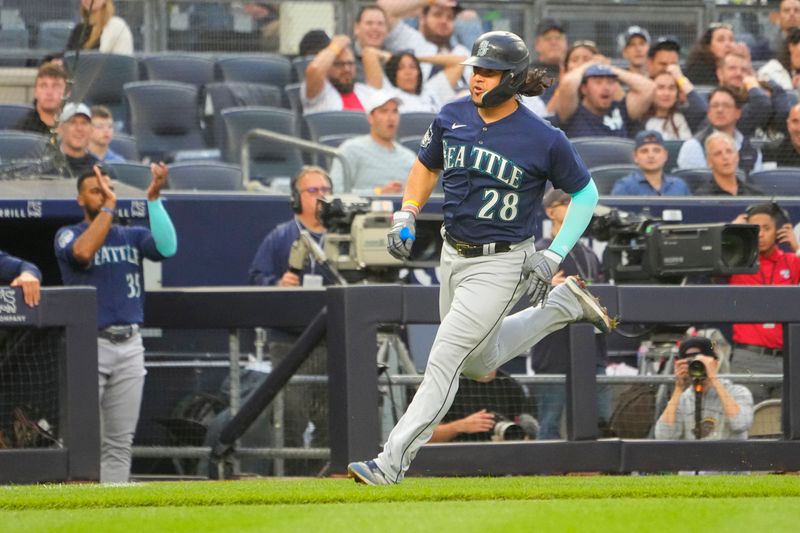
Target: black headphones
x,y
779,214
294,197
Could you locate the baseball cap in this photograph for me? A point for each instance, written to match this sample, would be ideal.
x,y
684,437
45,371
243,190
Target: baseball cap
x,y
664,42
312,42
555,196
378,98
74,108
648,137
457,8
624,39
698,345
599,70
547,24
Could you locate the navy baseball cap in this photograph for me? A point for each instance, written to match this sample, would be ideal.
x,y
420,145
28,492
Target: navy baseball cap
x,y
648,137
598,70
698,345
664,42
555,196
547,24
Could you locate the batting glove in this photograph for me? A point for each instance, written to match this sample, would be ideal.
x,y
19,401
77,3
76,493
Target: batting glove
x,y
401,236
539,270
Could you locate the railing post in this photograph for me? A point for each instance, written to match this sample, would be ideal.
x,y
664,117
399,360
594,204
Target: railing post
x,y
581,384
791,382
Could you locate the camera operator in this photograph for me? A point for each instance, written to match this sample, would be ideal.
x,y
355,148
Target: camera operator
x,y
271,267
727,409
758,348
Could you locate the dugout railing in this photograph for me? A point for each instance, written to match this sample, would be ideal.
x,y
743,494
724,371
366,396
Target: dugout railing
x,y
71,449
353,317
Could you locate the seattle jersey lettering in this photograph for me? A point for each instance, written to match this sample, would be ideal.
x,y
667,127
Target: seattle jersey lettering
x,y
116,254
482,160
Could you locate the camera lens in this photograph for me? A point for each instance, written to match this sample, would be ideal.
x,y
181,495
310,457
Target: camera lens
x,y
697,370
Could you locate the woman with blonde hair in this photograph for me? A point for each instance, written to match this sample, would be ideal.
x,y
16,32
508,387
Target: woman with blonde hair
x,y
100,29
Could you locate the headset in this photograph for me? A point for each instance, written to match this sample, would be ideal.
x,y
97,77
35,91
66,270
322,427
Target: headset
x,y
778,214
294,199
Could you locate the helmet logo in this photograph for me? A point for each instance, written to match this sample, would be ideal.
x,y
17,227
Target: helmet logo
x,y
483,48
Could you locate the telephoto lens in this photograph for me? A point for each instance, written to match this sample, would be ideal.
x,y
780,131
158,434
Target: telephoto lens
x,y
697,369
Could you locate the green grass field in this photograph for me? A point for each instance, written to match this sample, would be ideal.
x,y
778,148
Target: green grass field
x,y
755,503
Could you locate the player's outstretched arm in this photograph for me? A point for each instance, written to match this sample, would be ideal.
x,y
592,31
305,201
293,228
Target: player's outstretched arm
x,y
95,235
160,224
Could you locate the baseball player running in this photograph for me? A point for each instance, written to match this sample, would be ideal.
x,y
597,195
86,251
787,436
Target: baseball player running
x,y
496,157
109,257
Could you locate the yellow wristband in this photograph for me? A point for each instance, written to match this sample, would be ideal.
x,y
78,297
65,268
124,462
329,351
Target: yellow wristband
x,y
412,202
681,81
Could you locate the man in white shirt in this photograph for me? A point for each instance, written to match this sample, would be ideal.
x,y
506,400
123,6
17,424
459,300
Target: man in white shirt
x,y
377,162
330,80
435,34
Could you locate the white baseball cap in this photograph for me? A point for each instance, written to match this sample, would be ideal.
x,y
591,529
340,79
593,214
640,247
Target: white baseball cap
x,y
378,98
74,108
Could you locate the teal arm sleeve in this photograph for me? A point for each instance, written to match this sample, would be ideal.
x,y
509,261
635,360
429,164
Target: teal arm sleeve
x,y
163,231
579,214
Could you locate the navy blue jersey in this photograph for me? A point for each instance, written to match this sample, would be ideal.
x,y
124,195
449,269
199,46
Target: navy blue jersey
x,y
613,123
494,174
272,258
115,271
11,267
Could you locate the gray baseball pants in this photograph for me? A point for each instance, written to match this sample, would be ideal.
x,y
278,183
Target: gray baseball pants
x,y
475,337
121,374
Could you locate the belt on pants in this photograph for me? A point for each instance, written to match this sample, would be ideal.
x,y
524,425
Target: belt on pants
x,y
118,334
468,249
763,350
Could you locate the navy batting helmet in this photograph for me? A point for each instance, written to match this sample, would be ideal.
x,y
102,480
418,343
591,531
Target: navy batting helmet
x,y
501,50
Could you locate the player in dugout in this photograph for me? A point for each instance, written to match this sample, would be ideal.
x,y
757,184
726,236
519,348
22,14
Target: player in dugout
x,y
496,157
108,256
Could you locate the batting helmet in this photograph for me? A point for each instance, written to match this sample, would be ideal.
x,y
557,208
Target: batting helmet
x,y
501,50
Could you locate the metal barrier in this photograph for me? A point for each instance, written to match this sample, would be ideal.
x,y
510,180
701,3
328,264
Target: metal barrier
x,y
288,140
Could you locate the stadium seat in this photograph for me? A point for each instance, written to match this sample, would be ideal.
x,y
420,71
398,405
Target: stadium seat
x,y
694,177
125,145
21,145
605,176
194,70
205,176
412,142
99,80
224,95
673,148
164,117
133,174
268,159
11,113
299,65
414,124
14,38
336,123
597,151
268,69
292,92
766,420
784,181
54,34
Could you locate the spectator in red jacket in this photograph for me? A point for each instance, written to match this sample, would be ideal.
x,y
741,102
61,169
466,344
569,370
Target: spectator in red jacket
x,y
758,348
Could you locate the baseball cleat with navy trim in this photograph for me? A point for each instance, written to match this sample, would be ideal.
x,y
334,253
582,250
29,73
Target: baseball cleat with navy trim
x,y
367,472
592,310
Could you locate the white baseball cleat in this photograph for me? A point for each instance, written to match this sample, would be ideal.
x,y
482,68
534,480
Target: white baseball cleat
x,y
367,472
592,310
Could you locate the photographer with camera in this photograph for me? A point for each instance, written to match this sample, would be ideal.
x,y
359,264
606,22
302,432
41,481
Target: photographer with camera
x,y
726,409
491,408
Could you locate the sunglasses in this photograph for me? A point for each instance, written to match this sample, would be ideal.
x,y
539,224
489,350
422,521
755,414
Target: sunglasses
x,y
718,25
318,190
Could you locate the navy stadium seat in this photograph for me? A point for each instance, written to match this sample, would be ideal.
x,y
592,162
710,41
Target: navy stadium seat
x,y
783,181
164,117
98,79
269,69
268,159
605,176
336,123
597,151
125,146
205,176
10,114
412,124
133,174
194,70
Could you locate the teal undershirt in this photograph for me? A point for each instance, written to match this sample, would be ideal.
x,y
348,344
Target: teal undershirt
x,y
162,229
579,214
